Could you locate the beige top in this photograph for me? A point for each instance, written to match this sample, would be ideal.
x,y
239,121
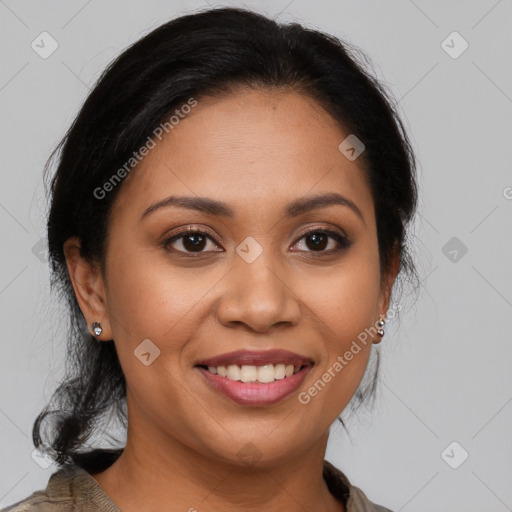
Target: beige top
x,y
73,489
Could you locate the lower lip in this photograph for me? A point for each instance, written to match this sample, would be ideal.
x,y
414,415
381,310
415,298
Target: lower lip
x,y
256,393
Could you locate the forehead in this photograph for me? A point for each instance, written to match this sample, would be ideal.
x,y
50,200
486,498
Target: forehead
x,y
250,148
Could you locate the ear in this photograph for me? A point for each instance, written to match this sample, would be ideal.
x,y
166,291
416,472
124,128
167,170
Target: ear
x,y
89,287
387,281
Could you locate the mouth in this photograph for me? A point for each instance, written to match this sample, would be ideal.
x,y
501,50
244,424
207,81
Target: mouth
x,y
256,378
256,366
263,374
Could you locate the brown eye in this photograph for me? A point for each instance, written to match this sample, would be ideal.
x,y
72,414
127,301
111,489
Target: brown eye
x,y
318,241
190,241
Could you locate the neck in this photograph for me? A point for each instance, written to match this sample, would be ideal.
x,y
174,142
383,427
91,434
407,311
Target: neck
x,y
156,470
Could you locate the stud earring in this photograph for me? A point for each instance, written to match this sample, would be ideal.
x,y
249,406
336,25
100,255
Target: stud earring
x,y
380,325
380,330
96,329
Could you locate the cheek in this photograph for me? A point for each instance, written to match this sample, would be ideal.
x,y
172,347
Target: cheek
x,y
343,308
346,297
151,307
151,298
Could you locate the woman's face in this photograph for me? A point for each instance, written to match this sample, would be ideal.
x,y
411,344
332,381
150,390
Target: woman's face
x,y
252,281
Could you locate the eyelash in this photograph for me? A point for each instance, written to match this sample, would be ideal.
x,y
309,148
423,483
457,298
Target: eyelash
x,y
343,242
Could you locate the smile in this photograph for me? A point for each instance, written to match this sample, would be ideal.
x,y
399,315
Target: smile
x,y
249,373
255,385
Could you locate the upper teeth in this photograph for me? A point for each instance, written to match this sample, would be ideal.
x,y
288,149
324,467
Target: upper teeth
x,y
248,373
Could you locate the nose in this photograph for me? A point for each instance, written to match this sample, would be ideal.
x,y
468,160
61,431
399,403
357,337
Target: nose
x,y
258,297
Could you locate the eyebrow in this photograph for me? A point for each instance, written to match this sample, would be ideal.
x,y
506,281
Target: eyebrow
x,y
214,207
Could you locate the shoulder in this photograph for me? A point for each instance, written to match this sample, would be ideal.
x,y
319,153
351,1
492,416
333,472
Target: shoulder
x,y
359,502
36,501
354,499
69,489
58,495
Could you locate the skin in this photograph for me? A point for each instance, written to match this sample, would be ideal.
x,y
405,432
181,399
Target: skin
x,y
256,150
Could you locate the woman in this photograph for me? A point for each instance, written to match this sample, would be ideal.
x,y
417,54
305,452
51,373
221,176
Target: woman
x,y
228,221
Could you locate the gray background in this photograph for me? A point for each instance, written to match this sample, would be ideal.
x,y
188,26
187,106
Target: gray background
x,y
446,367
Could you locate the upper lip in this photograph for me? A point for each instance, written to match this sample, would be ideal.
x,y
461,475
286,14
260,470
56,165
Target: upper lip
x,y
256,358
